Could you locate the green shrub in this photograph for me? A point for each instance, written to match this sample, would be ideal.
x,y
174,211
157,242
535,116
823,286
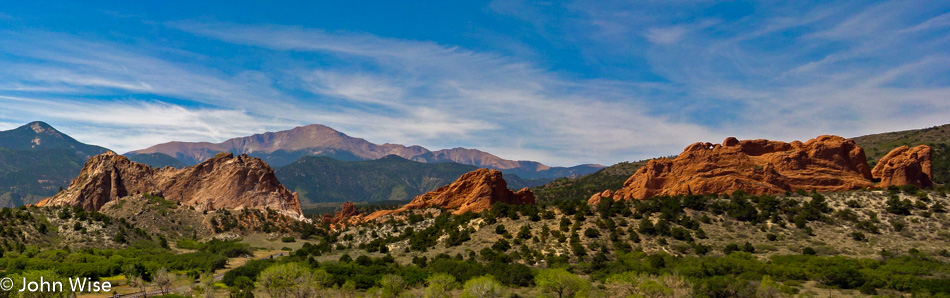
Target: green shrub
x,y
249,270
809,251
858,236
591,233
730,248
897,206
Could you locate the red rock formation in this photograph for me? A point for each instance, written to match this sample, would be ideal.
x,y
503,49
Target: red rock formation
x,y
224,181
104,178
905,166
594,199
475,191
348,211
826,163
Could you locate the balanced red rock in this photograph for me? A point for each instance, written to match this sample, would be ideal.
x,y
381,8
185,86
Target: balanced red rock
x,y
475,191
348,211
826,163
905,166
222,182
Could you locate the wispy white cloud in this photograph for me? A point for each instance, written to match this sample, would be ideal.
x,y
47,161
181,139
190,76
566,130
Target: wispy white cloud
x,y
439,96
940,21
782,71
358,87
385,90
794,73
667,35
127,125
55,60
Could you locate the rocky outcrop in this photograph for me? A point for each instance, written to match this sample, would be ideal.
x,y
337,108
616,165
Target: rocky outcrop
x,y
475,191
223,182
104,178
348,211
905,166
826,163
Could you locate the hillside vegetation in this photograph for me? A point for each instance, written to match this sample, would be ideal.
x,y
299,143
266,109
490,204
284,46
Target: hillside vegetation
x,y
319,179
888,242
36,160
937,137
848,243
583,187
28,176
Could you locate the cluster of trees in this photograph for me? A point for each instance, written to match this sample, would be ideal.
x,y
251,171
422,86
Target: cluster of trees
x,y
228,248
424,239
23,226
736,272
896,205
635,273
294,279
145,258
365,272
740,206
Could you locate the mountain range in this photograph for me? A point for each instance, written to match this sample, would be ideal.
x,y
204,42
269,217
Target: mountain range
x,y
284,147
36,161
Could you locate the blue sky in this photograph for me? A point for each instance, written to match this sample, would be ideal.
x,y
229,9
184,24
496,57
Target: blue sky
x,y
562,83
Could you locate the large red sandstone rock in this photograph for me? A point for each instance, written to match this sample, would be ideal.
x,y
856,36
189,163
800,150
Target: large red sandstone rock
x,y
222,182
475,191
826,163
348,211
905,166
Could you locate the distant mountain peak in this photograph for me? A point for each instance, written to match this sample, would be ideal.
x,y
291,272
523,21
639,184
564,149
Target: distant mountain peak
x,y
35,127
284,147
39,135
315,127
313,130
41,127
37,159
